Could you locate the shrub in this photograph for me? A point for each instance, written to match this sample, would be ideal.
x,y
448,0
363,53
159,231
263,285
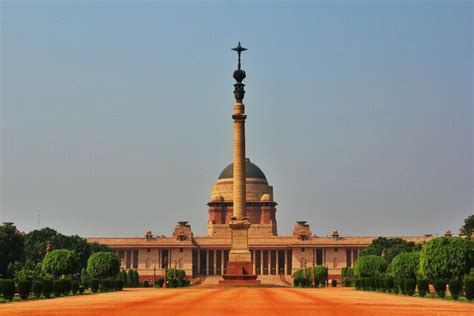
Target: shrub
x,y
401,284
440,288
454,288
145,283
123,277
159,283
59,262
74,287
136,279
372,284
37,288
404,266
369,266
57,287
107,285
423,287
388,283
8,289
446,258
47,288
410,286
130,278
469,288
94,285
396,288
347,282
358,284
174,283
103,265
24,289
66,285
118,285
81,289
334,283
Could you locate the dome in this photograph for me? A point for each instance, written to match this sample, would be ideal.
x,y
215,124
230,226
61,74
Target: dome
x,y
251,171
266,198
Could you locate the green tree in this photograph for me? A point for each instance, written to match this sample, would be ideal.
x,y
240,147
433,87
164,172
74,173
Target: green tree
x,y
468,225
59,262
404,266
37,241
11,246
369,266
446,258
390,246
103,265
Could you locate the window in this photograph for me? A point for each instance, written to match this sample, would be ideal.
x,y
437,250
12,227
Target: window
x,y
319,257
181,249
335,249
148,250
302,249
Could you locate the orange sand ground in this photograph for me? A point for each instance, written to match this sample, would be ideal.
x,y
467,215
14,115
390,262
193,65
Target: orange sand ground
x,y
242,301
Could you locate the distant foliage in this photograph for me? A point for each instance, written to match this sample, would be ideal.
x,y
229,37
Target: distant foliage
x,y
59,262
11,247
404,266
468,226
103,265
369,266
390,246
446,258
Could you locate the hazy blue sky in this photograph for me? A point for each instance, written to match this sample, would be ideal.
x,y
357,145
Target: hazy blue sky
x,y
116,116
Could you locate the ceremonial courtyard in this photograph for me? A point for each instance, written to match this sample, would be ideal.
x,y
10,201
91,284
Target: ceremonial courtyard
x,y
219,301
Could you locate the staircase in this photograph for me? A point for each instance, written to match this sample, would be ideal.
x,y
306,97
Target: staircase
x,y
266,281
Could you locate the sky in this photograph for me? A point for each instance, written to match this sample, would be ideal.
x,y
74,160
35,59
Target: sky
x,y
116,116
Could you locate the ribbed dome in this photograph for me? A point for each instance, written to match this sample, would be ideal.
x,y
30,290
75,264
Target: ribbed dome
x,y
251,171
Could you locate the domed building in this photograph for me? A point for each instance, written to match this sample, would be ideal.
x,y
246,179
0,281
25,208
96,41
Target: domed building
x,y
260,207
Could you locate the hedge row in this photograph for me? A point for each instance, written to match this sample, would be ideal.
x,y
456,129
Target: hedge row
x,y
47,288
409,286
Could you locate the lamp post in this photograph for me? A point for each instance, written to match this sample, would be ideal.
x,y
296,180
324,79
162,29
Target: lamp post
x,y
175,265
154,275
312,274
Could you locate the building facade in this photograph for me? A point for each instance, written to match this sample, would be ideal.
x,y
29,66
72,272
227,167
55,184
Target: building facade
x,y
271,253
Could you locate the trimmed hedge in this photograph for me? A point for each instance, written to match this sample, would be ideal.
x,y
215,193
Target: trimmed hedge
x,y
440,288
24,289
47,288
389,284
423,287
74,287
455,288
118,285
410,286
94,285
8,289
37,288
107,285
469,288
57,287
66,285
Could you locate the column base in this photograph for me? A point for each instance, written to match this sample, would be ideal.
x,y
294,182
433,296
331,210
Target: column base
x,y
239,273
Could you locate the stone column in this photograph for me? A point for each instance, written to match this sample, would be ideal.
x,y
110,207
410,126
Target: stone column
x,y
239,161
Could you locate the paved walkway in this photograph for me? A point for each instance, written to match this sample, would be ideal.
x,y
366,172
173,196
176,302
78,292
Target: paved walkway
x,y
241,301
